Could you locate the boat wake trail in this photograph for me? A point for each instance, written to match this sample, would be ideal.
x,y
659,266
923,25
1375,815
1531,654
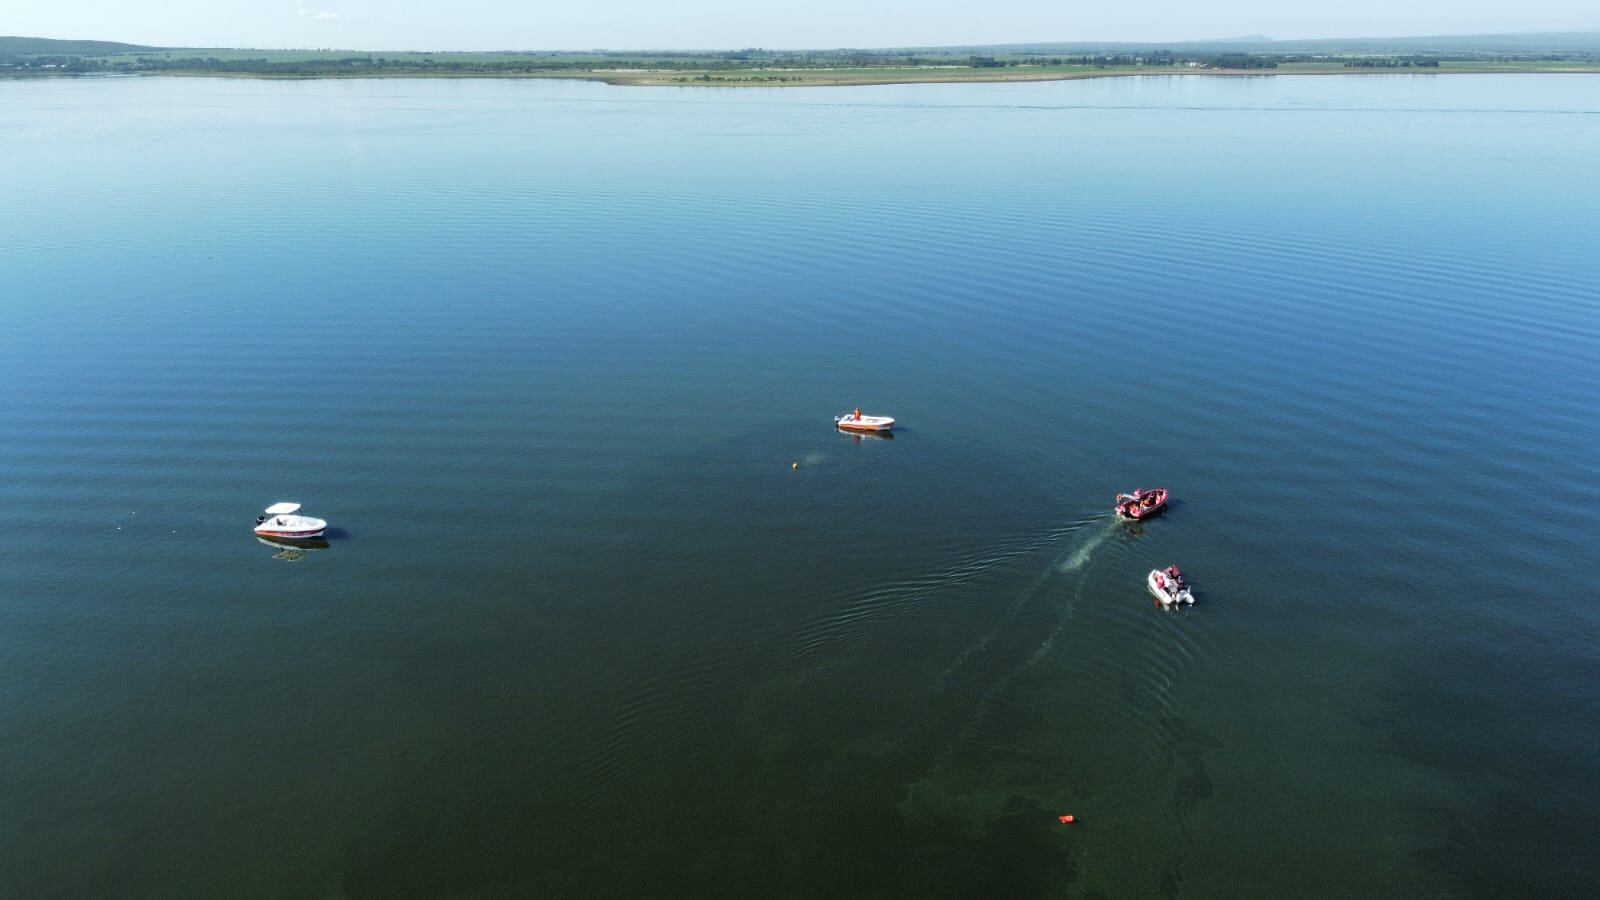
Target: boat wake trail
x,y
1075,560
1072,561
859,614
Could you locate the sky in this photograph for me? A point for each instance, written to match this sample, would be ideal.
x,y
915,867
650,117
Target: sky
x,y
705,24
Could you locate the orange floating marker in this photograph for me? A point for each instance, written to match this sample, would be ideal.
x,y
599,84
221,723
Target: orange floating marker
x,y
1068,820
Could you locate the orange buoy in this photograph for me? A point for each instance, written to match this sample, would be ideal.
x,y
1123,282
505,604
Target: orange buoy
x,y
1068,820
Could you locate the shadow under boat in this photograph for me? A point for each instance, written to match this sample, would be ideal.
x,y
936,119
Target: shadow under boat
x,y
868,435
291,549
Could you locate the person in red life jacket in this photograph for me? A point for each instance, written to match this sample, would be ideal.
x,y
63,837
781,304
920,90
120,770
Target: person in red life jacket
x,y
858,414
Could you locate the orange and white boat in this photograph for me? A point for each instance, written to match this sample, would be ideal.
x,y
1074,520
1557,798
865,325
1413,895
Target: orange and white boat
x,y
857,422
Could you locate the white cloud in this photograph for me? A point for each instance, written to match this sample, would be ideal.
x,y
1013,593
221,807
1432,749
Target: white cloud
x,y
303,9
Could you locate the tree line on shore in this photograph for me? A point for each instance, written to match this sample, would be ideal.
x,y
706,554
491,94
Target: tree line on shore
x,y
1391,63
753,60
464,63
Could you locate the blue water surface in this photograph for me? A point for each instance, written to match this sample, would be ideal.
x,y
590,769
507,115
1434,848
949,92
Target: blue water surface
x,y
609,608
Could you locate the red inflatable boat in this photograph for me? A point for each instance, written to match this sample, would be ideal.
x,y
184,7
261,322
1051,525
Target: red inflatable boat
x,y
1141,504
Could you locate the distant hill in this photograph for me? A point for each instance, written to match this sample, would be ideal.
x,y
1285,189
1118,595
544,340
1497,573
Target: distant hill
x,y
30,46
1544,42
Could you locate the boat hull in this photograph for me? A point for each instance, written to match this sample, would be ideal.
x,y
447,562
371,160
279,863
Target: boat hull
x,y
865,424
284,535
292,528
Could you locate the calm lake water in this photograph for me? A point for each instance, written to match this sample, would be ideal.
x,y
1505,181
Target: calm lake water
x,y
544,354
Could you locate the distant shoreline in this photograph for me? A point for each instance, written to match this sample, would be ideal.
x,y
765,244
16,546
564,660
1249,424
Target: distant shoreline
x,y
842,78
984,77
757,67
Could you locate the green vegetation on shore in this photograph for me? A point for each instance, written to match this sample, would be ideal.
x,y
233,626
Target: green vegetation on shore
x,y
758,67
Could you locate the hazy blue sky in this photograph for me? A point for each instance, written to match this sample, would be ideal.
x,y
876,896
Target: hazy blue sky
x,y
575,24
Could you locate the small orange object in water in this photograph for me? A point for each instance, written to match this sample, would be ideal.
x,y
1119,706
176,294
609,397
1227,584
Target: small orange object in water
x,y
1068,820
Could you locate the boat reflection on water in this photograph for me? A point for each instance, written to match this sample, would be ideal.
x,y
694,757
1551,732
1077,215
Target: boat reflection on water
x,y
857,437
291,550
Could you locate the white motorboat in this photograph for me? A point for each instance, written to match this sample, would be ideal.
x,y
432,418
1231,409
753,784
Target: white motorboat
x,y
281,522
1168,587
857,422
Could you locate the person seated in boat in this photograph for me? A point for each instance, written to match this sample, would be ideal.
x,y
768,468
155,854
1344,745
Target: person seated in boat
x,y
858,414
